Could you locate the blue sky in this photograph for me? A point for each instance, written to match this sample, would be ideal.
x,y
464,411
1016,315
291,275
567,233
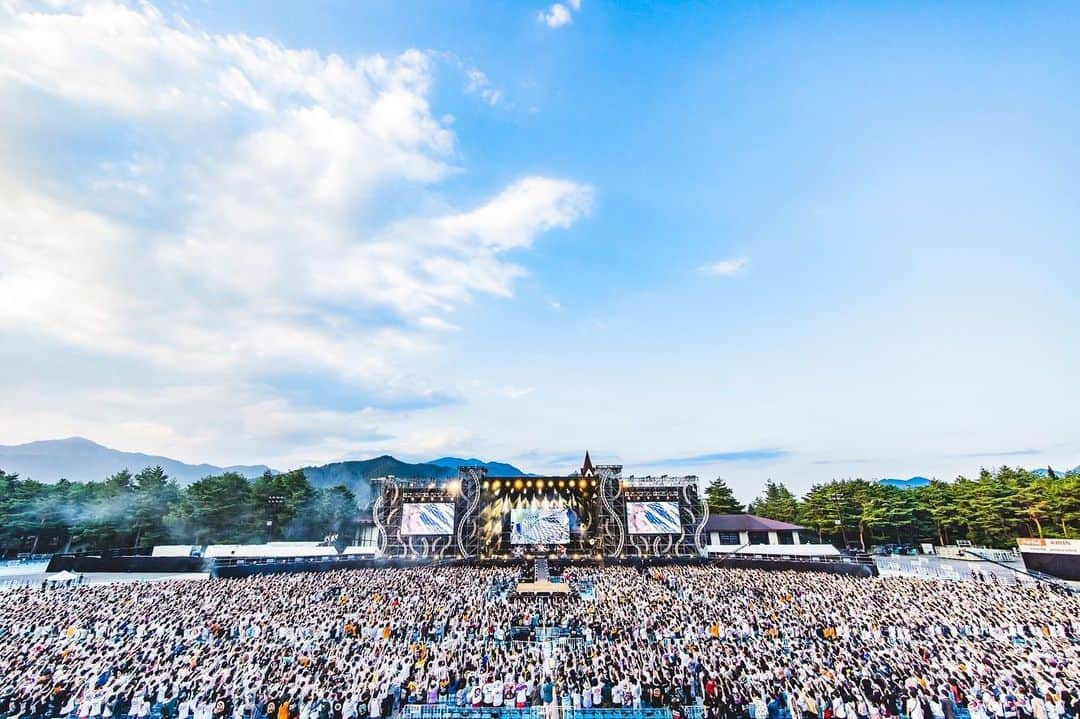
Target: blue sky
x,y
787,240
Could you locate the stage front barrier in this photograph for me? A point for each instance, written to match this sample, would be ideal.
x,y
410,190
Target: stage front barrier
x,y
89,563
450,711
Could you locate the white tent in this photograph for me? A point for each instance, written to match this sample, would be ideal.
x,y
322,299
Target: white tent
x,y
64,576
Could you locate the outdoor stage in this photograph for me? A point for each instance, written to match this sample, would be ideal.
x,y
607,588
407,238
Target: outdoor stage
x,y
591,513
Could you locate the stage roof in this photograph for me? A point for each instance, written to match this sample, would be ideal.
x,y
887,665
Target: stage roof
x,y
746,523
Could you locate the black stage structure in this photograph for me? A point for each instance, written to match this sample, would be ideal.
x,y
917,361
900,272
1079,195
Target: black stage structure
x,y
593,513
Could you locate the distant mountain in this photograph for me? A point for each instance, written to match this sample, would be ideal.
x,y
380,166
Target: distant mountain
x,y
495,469
1043,471
81,460
905,483
357,474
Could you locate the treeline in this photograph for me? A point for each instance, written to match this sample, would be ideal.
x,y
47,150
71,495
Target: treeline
x,y
140,510
991,510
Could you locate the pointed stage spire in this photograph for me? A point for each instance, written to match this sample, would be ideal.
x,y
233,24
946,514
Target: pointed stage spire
x,y
587,469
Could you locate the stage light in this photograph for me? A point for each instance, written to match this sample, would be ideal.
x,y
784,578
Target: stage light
x,y
518,484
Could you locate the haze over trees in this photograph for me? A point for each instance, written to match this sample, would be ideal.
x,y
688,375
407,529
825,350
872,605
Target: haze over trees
x,y
140,510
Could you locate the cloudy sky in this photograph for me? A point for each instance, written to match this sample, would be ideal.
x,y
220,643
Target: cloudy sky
x,y
751,240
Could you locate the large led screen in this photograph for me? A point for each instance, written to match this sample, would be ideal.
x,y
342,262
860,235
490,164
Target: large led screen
x,y
653,517
539,526
427,518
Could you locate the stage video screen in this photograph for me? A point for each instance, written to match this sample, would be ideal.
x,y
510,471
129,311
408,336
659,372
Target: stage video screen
x,y
653,517
539,526
427,518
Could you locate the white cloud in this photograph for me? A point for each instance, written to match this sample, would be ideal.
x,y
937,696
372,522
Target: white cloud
x,y
427,444
476,80
224,221
518,392
556,16
726,267
478,84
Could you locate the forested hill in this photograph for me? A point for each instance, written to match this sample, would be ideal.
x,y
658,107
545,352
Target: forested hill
x,y
81,460
357,474
146,506
76,493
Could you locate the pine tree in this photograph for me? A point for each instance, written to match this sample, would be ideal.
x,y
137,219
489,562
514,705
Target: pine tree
x,y
818,510
777,503
938,500
721,499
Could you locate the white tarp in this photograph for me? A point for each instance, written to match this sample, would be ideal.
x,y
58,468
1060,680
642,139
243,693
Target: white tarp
x,y
176,550
793,550
269,550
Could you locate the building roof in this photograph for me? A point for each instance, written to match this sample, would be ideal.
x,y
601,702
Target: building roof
x,y
746,523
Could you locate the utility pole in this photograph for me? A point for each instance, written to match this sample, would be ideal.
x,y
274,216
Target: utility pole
x,y
37,537
840,518
272,501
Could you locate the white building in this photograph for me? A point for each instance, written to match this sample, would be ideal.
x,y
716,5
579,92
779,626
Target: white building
x,y
749,534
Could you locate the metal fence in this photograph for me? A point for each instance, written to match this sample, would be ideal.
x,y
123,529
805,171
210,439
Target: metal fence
x,y
935,568
450,711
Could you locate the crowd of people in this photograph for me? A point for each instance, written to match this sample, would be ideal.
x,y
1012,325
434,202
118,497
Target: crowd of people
x,y
360,644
